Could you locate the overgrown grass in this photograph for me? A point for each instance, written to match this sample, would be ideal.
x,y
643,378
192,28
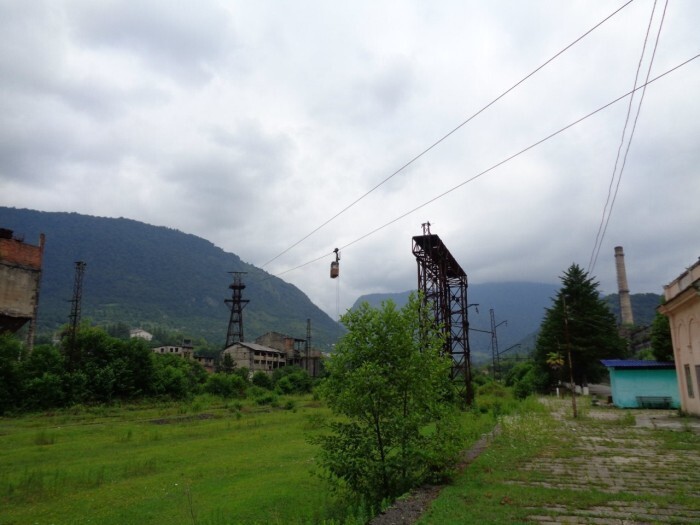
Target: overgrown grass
x,y
207,461
497,488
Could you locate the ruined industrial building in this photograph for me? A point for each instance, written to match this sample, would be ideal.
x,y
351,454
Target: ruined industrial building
x,y
20,278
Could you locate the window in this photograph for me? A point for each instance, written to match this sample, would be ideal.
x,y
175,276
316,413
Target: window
x,y
688,381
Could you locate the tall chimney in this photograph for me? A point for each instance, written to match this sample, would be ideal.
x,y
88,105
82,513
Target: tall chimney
x,y
623,288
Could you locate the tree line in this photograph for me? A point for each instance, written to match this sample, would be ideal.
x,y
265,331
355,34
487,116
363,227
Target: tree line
x,y
110,369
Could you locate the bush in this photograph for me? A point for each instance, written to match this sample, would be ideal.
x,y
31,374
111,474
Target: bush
x,y
225,385
262,396
387,385
298,382
262,380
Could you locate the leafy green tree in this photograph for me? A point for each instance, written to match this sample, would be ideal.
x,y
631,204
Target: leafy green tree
x,y
292,380
526,379
390,386
10,371
225,385
176,377
226,365
262,379
579,321
661,344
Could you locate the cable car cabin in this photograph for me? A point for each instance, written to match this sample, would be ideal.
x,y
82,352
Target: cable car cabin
x,y
335,269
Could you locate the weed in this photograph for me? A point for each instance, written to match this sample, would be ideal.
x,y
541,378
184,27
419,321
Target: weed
x,y
126,437
43,437
139,468
627,419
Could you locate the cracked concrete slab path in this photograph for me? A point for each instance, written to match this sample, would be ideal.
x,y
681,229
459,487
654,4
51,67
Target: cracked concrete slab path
x,y
632,456
606,467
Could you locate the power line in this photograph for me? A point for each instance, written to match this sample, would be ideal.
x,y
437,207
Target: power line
x,y
622,141
602,229
493,167
447,135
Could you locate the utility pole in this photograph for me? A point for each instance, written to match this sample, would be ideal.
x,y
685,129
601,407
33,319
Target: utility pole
x,y
75,312
308,346
571,365
494,344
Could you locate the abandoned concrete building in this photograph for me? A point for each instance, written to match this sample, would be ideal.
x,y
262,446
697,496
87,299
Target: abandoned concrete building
x,y
256,357
682,307
295,350
269,352
20,277
186,351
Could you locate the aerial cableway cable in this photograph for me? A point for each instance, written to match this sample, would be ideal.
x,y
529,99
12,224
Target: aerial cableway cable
x,y
450,133
607,211
493,167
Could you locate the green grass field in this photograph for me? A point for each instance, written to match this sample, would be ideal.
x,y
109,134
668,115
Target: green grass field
x,y
202,462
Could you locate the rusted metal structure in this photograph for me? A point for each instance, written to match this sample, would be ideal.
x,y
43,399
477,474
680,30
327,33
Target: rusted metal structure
x,y
443,284
75,314
236,304
20,277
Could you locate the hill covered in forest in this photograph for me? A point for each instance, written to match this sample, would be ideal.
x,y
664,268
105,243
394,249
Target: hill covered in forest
x,y
519,308
156,277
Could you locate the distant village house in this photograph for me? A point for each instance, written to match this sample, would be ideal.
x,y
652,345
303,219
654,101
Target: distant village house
x,y
140,334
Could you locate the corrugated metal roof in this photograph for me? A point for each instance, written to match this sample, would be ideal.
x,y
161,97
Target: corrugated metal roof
x,y
259,348
636,363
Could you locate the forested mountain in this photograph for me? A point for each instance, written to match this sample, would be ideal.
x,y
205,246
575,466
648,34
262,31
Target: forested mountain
x,y
643,306
150,276
522,306
519,306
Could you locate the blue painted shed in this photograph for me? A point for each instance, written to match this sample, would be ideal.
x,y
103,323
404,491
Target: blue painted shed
x,y
643,384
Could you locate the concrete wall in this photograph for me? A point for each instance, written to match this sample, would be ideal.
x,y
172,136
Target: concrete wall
x,y
628,384
256,358
20,275
683,310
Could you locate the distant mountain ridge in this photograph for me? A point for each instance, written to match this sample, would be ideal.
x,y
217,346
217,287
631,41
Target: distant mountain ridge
x,y
139,274
520,306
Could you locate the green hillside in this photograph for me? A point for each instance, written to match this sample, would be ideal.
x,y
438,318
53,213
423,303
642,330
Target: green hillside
x,y
643,306
149,276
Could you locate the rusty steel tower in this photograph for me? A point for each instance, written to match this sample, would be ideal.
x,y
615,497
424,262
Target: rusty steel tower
x,y
444,286
75,314
236,304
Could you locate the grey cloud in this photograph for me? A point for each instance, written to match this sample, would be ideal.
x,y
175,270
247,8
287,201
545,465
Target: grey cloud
x,y
183,42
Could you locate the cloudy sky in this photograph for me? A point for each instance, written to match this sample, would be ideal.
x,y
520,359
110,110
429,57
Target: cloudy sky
x,y
252,123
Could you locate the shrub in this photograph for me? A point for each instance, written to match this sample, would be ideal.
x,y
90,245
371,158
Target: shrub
x,y
225,385
262,380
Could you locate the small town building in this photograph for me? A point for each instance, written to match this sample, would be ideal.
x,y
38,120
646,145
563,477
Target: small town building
x,y
185,350
139,333
642,384
682,307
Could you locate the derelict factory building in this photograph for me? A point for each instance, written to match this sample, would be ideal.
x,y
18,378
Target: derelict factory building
x,y
20,276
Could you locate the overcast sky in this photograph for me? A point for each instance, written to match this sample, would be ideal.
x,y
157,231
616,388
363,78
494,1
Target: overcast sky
x,y
252,123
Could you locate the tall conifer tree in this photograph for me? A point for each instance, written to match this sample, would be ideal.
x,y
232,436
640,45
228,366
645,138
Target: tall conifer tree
x,y
580,321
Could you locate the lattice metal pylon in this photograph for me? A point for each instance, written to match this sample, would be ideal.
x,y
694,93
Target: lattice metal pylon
x,y
75,313
444,286
236,304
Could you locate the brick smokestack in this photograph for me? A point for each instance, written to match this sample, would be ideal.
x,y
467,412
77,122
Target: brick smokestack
x,y
623,288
